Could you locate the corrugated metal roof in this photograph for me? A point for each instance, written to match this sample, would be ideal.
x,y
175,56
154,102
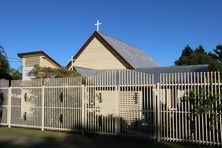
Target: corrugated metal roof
x,y
174,69
85,71
134,56
155,71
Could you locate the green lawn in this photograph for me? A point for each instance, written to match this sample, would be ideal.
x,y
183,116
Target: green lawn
x,y
33,133
20,137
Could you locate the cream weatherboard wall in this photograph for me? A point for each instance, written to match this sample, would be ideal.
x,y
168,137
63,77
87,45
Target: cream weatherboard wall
x,y
96,56
46,63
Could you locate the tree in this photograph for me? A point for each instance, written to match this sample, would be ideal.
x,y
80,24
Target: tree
x,y
5,71
200,50
218,52
3,59
46,72
15,74
199,56
203,102
187,51
4,65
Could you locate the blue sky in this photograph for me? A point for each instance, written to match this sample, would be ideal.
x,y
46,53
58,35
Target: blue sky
x,y
161,28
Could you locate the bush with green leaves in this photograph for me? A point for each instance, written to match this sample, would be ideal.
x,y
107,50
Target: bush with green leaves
x,y
205,102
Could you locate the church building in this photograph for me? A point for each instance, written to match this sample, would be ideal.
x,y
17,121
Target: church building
x,y
102,52
40,58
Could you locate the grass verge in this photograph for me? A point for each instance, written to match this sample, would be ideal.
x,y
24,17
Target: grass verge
x,y
34,133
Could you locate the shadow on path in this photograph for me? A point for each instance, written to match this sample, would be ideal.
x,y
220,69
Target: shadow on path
x,y
95,141
74,140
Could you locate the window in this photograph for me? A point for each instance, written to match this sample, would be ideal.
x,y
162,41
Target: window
x,y
31,61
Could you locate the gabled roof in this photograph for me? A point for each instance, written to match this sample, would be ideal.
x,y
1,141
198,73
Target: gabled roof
x,y
38,53
131,57
87,72
136,57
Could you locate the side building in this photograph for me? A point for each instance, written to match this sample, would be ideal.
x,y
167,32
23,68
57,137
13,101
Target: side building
x,y
29,59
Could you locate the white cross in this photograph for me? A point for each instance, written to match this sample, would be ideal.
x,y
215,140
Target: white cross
x,y
97,25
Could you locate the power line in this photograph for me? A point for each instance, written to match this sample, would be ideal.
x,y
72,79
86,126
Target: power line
x,y
14,61
14,58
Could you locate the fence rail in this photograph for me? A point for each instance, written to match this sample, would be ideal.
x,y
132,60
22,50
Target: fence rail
x,y
179,107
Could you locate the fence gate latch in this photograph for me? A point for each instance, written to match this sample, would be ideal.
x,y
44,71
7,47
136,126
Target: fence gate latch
x,y
25,97
1,98
24,116
61,96
1,114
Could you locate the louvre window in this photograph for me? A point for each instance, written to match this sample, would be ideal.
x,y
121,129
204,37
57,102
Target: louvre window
x,y
31,61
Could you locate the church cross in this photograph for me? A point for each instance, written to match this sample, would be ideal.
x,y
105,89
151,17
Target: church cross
x,y
97,25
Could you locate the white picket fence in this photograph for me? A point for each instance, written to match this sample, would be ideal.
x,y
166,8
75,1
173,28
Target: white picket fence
x,y
118,102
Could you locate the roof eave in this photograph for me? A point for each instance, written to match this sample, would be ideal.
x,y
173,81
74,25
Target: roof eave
x,y
24,54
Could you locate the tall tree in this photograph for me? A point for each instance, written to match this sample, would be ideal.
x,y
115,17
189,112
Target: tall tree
x,y
199,56
15,74
218,52
4,65
187,51
5,71
184,58
200,50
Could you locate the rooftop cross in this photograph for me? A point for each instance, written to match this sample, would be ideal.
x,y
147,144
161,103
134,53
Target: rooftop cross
x,y
97,25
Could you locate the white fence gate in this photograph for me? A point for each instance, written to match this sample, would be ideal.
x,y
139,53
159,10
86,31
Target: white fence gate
x,y
119,102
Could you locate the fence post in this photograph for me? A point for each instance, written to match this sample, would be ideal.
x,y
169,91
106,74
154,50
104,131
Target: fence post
x,y
43,106
158,111
9,107
83,109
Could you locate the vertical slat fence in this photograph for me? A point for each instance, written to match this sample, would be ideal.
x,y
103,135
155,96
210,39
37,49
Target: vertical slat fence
x,y
177,107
